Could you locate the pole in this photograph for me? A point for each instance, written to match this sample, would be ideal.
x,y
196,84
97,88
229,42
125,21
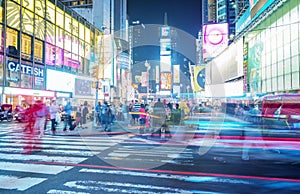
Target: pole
x,y
96,103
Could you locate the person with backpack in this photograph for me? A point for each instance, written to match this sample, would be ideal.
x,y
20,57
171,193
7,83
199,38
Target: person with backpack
x,y
106,116
85,112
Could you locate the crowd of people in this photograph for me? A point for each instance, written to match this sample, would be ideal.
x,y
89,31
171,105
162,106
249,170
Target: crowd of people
x,y
134,113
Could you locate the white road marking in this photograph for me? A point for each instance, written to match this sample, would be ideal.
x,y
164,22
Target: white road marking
x,y
166,176
33,168
42,158
132,188
19,183
54,191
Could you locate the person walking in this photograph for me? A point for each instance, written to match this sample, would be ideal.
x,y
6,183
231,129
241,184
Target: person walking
x,y
84,114
54,110
98,113
40,115
68,119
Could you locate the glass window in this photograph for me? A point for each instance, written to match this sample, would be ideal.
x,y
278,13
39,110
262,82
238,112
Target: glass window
x,y
287,49
50,12
1,39
39,28
87,35
60,18
75,45
280,68
27,21
75,27
67,58
81,48
264,86
50,33
59,37
26,46
29,4
295,63
68,42
12,74
263,73
81,31
294,32
40,7
280,83
274,84
50,54
287,81
269,85
75,61
1,14
38,51
26,79
68,23
269,73
92,38
12,41
287,65
81,59
59,59
274,55
295,82
280,54
274,70
87,51
1,69
13,15
294,47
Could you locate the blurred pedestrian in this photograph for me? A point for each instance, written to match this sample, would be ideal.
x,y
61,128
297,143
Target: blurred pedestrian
x,y
85,112
41,116
68,115
54,110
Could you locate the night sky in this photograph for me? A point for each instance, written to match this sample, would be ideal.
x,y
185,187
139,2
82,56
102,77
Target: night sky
x,y
182,14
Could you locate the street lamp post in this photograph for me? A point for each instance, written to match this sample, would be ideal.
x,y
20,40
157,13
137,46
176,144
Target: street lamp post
x,y
147,65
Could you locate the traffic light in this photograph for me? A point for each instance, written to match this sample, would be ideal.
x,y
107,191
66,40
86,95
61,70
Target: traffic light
x,y
95,72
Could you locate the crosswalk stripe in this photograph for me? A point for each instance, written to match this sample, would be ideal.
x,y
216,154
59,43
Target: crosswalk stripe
x,y
42,158
33,168
19,183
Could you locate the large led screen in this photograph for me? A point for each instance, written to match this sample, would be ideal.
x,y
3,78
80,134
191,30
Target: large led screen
x,y
166,81
60,81
215,39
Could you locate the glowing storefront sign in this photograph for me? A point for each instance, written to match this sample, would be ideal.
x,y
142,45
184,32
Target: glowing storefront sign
x,y
28,92
25,69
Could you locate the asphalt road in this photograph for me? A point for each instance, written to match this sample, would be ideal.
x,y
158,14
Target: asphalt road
x,y
197,158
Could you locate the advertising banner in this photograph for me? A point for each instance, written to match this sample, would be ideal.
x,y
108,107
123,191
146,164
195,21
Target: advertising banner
x,y
60,81
199,78
176,74
215,39
166,81
144,79
83,87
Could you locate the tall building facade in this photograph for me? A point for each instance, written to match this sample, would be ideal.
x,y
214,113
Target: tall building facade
x,y
110,16
47,50
264,57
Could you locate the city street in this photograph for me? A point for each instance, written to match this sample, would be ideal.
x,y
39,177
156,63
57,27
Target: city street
x,y
197,158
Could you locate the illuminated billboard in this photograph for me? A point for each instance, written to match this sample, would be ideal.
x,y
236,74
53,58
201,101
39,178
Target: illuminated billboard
x,y
215,39
166,81
165,31
165,46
